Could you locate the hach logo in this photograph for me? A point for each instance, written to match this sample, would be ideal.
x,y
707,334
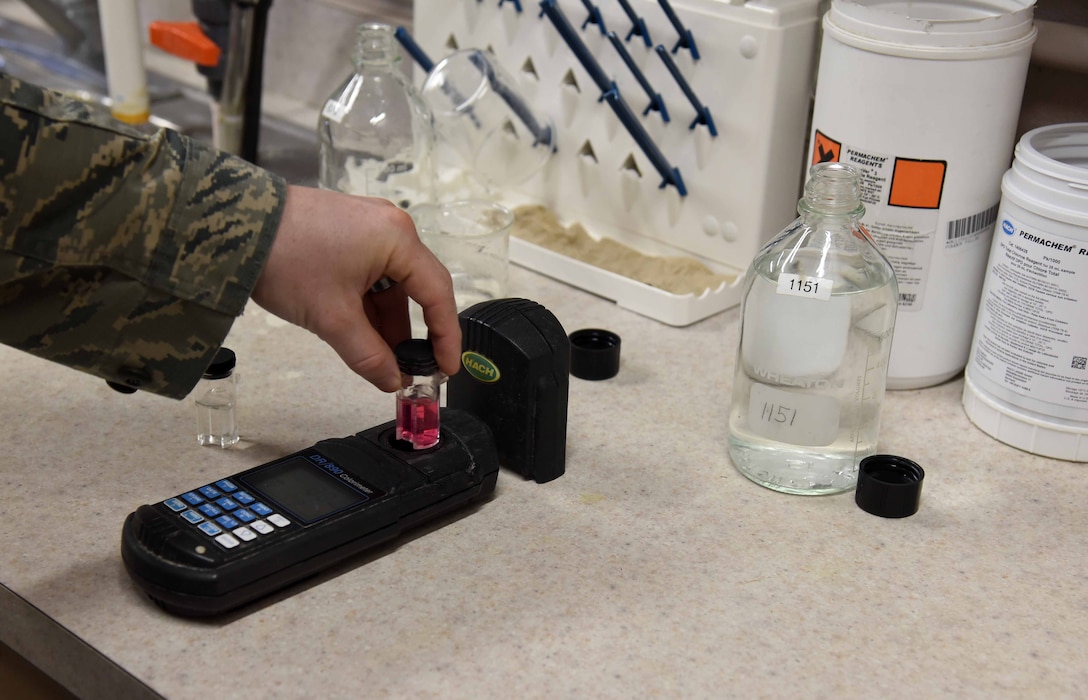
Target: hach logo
x,y
1007,227
480,367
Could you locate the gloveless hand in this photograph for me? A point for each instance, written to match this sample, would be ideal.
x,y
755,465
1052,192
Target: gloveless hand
x,y
330,249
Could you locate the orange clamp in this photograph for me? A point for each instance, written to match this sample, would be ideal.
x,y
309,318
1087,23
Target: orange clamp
x,y
186,40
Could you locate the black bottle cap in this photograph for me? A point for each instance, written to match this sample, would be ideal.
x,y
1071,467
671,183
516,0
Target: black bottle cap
x,y
594,354
416,357
889,486
222,364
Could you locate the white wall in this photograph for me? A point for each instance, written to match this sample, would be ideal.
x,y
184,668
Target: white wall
x,y
309,47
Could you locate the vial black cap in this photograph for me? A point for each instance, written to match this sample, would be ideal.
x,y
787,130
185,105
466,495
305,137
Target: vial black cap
x,y
889,486
594,354
222,364
416,357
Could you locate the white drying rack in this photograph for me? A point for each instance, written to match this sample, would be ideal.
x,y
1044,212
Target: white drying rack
x,y
749,72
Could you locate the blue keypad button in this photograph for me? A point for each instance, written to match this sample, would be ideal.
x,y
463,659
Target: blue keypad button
x,y
244,498
226,486
226,503
209,510
227,521
260,509
209,492
192,516
192,498
174,504
244,515
209,528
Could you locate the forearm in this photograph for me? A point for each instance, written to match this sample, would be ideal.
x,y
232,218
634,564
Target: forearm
x,y
123,254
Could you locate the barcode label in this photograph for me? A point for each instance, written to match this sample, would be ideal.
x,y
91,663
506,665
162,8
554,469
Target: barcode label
x,y
972,224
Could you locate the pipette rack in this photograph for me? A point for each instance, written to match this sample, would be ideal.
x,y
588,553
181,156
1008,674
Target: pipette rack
x,y
737,99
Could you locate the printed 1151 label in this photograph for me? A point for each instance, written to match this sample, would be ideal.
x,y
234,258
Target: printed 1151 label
x,y
805,286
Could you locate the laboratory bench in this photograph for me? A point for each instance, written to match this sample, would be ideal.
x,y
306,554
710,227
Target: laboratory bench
x,y
651,568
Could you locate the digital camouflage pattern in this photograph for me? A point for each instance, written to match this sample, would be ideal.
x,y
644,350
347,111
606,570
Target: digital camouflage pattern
x,y
123,254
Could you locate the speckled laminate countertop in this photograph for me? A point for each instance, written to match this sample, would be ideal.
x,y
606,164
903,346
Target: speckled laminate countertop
x,y
651,569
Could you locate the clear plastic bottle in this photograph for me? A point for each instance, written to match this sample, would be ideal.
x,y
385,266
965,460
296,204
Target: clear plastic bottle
x,y
216,400
817,319
420,394
376,134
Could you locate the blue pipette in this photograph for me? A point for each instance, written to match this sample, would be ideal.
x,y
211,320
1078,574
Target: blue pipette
x,y
638,25
687,39
702,112
656,101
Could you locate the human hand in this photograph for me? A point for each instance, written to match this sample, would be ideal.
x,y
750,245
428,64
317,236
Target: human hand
x,y
330,249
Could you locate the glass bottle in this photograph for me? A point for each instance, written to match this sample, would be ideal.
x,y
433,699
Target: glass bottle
x,y
376,134
420,394
216,402
817,319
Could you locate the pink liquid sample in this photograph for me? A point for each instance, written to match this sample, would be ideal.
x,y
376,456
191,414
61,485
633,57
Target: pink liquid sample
x,y
417,421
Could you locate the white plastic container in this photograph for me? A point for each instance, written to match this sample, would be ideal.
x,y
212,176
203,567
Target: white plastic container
x,y
1027,380
923,96
753,72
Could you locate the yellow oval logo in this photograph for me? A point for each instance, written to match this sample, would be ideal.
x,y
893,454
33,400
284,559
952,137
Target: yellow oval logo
x,y
479,367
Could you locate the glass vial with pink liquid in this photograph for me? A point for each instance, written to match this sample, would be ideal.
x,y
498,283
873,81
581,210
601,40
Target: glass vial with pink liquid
x,y
420,394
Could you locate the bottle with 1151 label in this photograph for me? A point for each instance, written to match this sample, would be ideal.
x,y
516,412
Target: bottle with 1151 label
x,y
817,319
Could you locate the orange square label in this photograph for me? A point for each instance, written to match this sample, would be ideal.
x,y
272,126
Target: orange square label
x,y
825,149
917,183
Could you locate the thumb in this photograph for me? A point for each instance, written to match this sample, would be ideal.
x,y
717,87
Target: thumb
x,y
362,348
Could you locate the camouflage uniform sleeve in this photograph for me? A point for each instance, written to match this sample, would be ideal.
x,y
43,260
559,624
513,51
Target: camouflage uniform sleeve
x,y
124,254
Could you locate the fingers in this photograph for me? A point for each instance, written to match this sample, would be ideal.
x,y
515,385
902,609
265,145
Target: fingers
x,y
427,281
445,337
429,284
361,347
329,253
387,311
366,344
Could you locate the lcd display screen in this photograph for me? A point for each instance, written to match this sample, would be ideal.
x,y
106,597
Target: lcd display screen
x,y
303,489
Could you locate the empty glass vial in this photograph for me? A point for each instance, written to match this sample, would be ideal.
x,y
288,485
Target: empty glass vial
x,y
817,319
216,401
376,134
420,394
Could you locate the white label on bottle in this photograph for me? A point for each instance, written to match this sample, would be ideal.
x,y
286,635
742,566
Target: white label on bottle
x,y
903,195
334,110
792,417
805,286
905,233
1032,337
